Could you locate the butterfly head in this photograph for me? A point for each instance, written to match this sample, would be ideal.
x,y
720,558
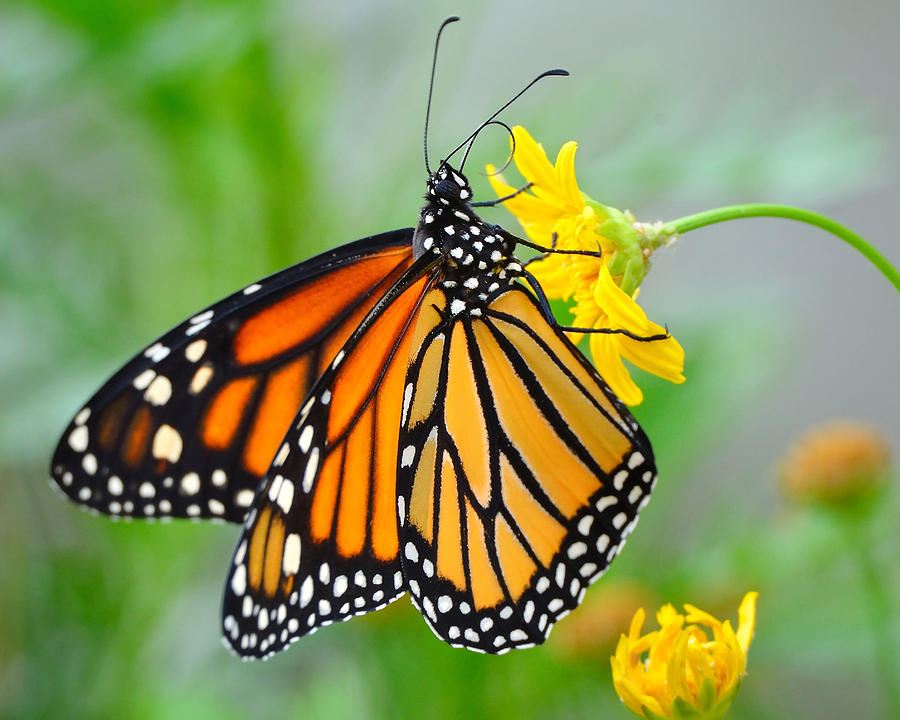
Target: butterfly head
x,y
447,186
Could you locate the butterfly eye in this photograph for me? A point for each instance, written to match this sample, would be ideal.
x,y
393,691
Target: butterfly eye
x,y
447,189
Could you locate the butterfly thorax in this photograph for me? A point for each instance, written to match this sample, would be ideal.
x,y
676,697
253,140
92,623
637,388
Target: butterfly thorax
x,y
475,256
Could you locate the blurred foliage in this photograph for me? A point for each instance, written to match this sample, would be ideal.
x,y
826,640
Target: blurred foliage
x,y
154,156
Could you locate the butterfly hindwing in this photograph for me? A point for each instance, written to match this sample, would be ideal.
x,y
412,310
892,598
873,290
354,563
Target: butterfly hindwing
x,y
320,543
188,427
520,473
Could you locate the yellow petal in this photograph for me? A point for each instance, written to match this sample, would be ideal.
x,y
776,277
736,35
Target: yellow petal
x,y
746,619
676,669
739,653
696,615
664,358
623,311
668,615
554,281
624,688
612,370
645,643
565,173
532,161
725,662
526,207
637,622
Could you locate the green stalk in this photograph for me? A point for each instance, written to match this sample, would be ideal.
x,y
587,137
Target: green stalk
x,y
880,614
734,212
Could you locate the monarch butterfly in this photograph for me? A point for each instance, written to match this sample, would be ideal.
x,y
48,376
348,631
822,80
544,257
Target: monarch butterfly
x,y
400,414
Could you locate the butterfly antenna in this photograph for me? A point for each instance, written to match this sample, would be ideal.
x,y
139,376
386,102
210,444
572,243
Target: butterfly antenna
x,y
437,40
512,140
546,73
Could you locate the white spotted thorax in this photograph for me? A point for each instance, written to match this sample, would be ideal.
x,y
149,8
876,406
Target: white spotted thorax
x,y
477,256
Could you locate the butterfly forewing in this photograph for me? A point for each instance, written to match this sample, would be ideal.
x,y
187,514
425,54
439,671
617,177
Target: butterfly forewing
x,y
520,473
188,427
320,543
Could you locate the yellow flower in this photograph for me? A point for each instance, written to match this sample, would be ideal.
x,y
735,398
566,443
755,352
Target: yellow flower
x,y
678,671
554,212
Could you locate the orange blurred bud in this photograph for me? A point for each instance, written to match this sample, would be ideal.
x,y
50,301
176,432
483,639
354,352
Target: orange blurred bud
x,y
836,463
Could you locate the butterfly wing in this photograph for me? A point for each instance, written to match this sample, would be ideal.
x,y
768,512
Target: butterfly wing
x,y
320,543
520,473
188,427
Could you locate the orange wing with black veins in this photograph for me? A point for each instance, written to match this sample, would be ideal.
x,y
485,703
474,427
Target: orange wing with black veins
x,y
189,426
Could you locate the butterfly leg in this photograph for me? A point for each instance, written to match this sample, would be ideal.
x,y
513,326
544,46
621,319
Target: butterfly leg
x,y
548,313
545,251
545,254
494,203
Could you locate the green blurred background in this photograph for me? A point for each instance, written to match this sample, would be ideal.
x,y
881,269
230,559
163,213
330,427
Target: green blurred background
x,y
154,156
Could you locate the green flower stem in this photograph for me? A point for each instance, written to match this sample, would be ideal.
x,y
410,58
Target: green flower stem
x,y
880,612
734,212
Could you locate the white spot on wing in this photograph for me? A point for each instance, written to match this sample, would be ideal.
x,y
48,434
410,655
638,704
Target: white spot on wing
x,y
290,561
78,439
340,585
195,350
89,463
190,483
156,352
286,496
306,437
201,378
159,391
283,452
239,580
306,591
144,379
167,444
407,397
312,466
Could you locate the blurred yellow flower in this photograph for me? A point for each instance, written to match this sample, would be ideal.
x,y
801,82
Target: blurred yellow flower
x,y
555,213
684,673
